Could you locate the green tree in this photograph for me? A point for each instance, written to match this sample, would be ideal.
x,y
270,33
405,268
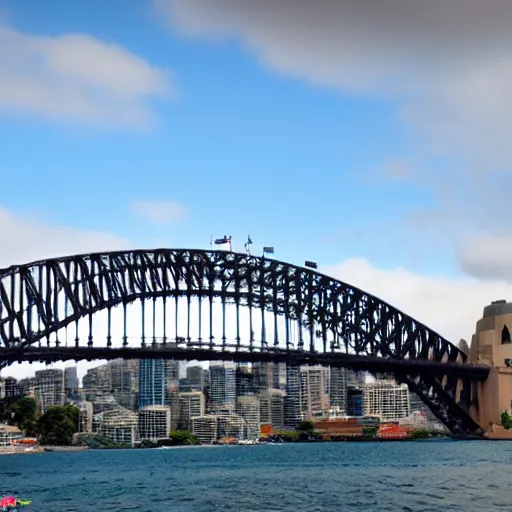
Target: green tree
x,y
20,412
506,420
182,437
305,426
58,424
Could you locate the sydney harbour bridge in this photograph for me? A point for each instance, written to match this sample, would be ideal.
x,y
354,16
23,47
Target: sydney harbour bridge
x,y
219,305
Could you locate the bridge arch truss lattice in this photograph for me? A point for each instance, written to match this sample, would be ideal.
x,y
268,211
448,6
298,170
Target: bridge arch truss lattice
x,y
292,314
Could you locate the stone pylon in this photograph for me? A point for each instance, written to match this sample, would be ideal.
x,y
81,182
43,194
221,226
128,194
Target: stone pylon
x,y
491,345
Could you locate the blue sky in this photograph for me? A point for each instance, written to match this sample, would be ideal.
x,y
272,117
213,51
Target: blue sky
x,y
354,148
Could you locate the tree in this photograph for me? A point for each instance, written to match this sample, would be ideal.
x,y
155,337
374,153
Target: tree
x,y
20,412
58,424
182,437
305,426
506,420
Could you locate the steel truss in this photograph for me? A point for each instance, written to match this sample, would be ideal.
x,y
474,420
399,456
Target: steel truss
x,y
336,321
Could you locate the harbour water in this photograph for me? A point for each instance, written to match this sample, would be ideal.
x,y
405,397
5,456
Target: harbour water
x,y
423,476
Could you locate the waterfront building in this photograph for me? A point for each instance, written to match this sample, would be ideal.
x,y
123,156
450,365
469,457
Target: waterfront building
x,y
118,424
154,422
292,413
49,388
272,407
248,408
387,399
192,405
222,386
172,389
85,418
205,428
314,400
338,388
152,386
355,405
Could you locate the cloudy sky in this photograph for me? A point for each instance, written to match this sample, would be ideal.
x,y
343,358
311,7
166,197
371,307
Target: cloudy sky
x,y
371,137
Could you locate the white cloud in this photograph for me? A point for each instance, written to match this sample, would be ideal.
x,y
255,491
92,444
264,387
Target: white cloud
x,y
447,64
487,257
25,239
450,306
159,211
76,77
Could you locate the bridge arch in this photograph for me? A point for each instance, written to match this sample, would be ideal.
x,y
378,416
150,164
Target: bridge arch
x,y
337,322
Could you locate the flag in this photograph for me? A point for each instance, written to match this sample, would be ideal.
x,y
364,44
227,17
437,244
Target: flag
x,y
269,250
224,240
311,264
249,242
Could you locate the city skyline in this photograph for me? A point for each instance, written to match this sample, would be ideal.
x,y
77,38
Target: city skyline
x,y
179,116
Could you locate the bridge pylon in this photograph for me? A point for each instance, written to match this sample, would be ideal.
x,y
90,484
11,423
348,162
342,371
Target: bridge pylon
x,y
491,345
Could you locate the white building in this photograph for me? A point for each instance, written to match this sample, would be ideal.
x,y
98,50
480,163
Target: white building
x,y
314,400
49,388
272,407
222,386
248,408
154,422
191,406
386,399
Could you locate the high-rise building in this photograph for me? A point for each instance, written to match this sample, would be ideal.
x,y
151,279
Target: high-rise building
x,y
222,386
154,422
71,381
11,387
172,389
191,406
338,388
49,388
263,376
292,414
272,407
279,376
244,380
195,377
25,387
152,385
125,382
355,405
313,397
248,408
386,399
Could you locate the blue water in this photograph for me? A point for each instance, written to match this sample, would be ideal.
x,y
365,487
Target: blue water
x,y
370,477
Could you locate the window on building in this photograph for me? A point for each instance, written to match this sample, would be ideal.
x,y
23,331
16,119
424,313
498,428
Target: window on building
x,y
505,335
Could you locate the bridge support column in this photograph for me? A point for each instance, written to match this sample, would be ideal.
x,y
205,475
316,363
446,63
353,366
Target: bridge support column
x,y
492,345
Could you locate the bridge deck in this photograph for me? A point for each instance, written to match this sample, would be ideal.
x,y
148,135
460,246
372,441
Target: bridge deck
x,y
297,357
